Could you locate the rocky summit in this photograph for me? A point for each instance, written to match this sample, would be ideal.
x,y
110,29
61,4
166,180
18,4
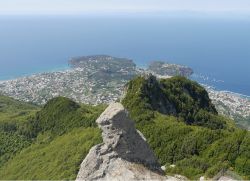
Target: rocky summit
x,y
124,153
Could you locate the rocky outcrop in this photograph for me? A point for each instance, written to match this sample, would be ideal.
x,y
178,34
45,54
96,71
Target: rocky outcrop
x,y
124,153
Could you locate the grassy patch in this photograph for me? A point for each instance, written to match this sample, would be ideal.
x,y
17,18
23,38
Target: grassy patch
x,y
58,159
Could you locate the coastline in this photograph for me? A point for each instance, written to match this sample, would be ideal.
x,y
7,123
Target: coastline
x,y
214,84
225,91
47,70
66,67
235,93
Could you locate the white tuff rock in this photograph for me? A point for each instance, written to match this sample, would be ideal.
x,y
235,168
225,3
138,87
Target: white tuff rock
x,y
124,153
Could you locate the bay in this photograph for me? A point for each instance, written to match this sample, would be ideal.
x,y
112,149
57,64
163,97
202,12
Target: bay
x,y
218,49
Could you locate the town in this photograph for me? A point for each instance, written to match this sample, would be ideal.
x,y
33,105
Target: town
x,y
101,80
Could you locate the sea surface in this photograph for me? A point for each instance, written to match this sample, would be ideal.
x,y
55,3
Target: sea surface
x,y
218,49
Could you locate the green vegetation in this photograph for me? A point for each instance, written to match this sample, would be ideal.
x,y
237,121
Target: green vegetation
x,y
10,144
10,109
163,68
13,114
242,122
192,136
50,143
59,159
177,96
176,116
60,115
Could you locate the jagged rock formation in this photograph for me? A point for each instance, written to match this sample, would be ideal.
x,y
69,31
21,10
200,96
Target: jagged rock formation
x,y
124,153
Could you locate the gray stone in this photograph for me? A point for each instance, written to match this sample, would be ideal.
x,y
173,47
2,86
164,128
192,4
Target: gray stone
x,y
124,153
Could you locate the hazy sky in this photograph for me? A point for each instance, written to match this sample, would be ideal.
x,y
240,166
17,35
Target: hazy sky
x,y
97,6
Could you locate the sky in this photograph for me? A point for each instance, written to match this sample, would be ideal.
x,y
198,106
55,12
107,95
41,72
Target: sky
x,y
126,6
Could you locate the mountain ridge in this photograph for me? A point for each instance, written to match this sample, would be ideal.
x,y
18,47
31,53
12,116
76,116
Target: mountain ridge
x,y
200,143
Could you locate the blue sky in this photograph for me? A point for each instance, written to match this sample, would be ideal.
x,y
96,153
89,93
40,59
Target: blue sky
x,y
99,6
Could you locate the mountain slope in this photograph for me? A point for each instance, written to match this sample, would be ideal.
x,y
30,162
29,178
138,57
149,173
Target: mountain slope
x,y
60,115
57,159
13,114
61,132
12,110
176,96
195,138
176,116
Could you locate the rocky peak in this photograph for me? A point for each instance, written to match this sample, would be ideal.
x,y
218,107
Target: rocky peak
x,y
124,153
153,90
119,135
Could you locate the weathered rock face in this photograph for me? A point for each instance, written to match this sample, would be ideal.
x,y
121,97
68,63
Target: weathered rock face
x,y
124,153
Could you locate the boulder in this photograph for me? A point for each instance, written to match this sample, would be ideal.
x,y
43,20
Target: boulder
x,y
124,153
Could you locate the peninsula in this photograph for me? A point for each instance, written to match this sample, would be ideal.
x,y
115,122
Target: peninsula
x,y
101,79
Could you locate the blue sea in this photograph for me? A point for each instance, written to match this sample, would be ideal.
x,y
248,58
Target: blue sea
x,y
218,49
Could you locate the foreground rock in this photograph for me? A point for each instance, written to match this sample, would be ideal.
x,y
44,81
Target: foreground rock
x,y
124,153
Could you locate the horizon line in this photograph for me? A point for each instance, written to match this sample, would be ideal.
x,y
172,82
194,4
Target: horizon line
x,y
148,12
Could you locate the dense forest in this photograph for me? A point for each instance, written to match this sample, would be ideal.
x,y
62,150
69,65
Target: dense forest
x,y
176,116
49,144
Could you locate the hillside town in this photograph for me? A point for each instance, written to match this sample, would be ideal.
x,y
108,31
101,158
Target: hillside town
x,y
231,104
74,83
90,79
236,103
